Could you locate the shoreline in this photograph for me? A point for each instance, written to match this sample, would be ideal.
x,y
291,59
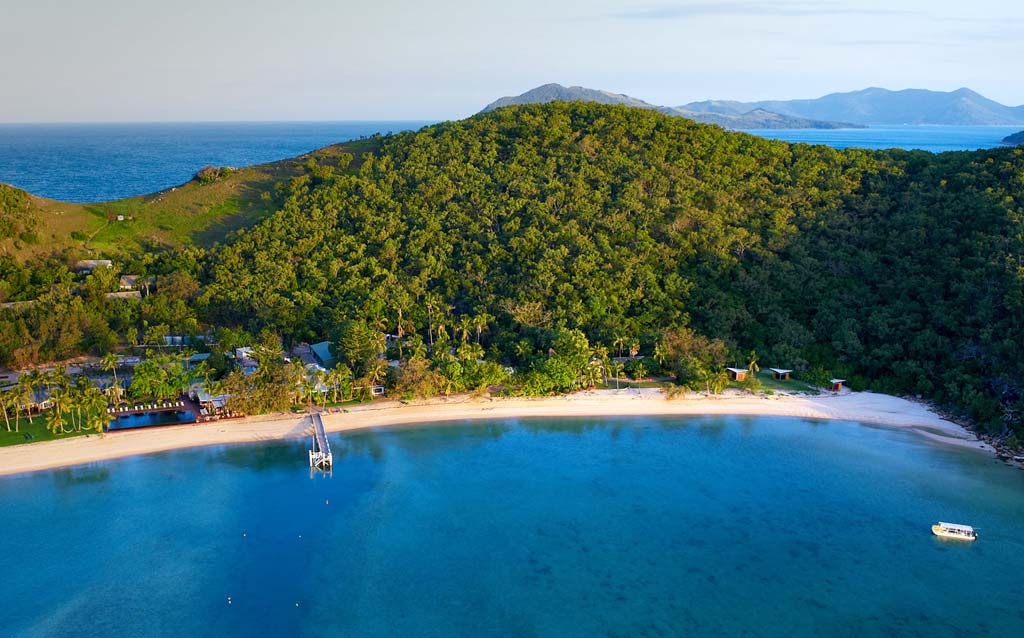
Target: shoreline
x,y
863,407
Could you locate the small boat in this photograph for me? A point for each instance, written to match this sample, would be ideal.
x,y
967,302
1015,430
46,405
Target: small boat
x,y
953,530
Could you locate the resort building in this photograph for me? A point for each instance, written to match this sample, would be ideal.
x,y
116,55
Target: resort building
x,y
780,374
323,352
16,305
209,403
88,265
39,400
135,282
737,374
245,360
197,358
837,384
124,294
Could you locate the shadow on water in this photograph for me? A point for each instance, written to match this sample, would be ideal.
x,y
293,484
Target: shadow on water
x,y
81,475
263,456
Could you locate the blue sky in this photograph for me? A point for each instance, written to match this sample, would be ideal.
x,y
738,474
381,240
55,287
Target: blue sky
x,y
150,60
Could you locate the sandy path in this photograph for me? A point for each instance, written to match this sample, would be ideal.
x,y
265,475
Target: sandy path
x,y
865,407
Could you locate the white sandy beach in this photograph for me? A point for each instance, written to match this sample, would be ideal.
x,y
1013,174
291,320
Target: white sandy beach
x,y
864,407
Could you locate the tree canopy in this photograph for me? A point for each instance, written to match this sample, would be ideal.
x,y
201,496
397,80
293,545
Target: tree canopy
x,y
530,228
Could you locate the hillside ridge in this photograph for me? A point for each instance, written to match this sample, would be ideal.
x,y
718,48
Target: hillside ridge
x,y
753,118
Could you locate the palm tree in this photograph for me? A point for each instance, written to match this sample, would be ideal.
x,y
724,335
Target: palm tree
x,y
634,348
465,325
659,353
110,363
6,401
214,387
752,366
376,370
480,322
22,393
617,369
97,417
618,342
592,373
640,373
339,378
79,399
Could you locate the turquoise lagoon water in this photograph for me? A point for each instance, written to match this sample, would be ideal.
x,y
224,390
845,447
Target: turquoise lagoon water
x,y
571,527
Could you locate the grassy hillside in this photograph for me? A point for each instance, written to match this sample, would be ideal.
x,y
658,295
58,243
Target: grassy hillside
x,y
194,213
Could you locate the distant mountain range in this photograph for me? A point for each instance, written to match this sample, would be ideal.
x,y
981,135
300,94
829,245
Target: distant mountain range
x,y
882,106
856,109
752,118
1014,140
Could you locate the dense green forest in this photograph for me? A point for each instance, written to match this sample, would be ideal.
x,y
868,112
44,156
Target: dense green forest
x,y
901,271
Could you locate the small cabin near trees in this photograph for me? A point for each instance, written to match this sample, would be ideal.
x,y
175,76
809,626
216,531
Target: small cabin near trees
x,y
737,374
837,384
88,265
780,374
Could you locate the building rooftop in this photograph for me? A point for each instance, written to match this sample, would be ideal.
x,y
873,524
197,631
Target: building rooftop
x,y
89,264
124,294
322,351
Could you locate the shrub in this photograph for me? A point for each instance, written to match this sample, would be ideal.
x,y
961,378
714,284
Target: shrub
x,y
210,174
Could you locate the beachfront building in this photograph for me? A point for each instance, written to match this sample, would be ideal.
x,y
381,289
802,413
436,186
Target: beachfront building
x,y
39,400
780,374
837,384
737,374
209,404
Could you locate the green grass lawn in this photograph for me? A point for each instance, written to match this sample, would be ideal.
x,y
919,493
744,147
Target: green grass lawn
x,y
628,385
31,431
793,386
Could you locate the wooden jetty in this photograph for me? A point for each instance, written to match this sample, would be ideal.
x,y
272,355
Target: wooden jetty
x,y
320,457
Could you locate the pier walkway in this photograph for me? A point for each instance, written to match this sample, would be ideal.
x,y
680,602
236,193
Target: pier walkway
x,y
320,454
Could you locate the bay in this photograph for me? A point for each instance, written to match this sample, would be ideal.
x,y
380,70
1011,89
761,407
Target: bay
x,y
666,526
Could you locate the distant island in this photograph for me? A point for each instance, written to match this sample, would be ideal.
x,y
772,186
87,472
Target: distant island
x,y
752,118
962,107
1014,140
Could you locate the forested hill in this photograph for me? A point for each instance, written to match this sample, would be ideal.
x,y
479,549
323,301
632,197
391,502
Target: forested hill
x,y
900,271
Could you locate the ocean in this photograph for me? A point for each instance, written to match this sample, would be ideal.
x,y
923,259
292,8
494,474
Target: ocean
x,y
668,526
935,139
100,162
